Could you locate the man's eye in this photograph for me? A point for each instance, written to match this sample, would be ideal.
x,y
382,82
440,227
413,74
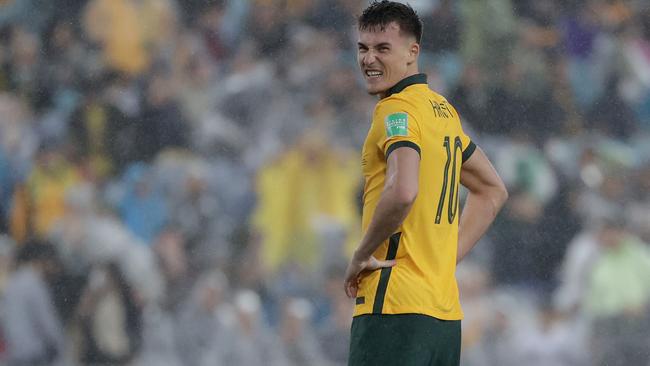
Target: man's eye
x,y
383,49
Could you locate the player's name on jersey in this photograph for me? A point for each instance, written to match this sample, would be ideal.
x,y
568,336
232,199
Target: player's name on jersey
x,y
440,109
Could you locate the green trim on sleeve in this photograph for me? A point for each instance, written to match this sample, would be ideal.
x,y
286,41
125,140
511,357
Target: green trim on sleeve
x,y
398,144
467,153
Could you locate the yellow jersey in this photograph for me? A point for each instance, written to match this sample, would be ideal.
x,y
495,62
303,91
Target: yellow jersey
x,y
425,245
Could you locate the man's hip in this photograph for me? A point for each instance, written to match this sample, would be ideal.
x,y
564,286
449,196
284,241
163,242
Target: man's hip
x,y
404,339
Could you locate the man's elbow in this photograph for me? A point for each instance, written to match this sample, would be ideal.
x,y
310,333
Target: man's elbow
x,y
500,196
405,196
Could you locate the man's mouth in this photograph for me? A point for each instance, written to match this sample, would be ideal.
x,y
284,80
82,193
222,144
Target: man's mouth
x,y
373,73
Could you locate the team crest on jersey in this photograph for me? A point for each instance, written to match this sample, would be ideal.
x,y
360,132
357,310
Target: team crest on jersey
x,y
397,124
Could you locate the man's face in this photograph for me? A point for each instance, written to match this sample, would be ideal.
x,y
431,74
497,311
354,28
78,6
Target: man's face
x,y
385,56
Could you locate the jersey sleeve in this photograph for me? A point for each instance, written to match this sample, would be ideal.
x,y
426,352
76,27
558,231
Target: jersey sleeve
x,y
468,145
399,126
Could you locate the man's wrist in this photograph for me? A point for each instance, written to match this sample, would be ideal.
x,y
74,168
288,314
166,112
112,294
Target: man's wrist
x,y
359,256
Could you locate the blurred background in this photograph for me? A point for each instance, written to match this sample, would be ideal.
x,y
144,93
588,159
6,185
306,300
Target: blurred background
x,y
180,179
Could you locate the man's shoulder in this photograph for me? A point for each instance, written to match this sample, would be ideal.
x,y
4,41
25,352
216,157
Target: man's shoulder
x,y
399,101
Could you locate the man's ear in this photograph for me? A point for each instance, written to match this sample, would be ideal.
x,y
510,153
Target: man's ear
x,y
414,52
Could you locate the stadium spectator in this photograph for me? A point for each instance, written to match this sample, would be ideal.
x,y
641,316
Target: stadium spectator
x,y
618,297
110,318
309,189
142,207
40,201
334,330
297,335
113,26
254,344
31,325
205,321
94,128
161,124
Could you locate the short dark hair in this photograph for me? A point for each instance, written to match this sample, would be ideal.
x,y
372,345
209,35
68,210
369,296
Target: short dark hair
x,y
381,13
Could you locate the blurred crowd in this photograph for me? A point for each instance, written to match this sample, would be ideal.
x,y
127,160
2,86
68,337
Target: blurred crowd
x,y
180,179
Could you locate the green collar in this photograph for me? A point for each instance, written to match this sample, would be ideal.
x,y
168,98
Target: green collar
x,y
406,82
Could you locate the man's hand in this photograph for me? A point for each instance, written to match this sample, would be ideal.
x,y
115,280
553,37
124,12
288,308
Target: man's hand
x,y
356,267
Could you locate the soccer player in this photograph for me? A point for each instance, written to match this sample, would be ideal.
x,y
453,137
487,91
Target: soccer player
x,y
407,308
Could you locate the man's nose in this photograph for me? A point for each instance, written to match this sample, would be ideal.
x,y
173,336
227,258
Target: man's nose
x,y
369,58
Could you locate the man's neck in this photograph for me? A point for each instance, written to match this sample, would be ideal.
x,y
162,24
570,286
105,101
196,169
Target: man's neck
x,y
408,74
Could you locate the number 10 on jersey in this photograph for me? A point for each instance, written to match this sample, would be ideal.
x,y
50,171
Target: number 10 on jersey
x,y
452,160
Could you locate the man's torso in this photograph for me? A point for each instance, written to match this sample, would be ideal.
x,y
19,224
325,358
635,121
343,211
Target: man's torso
x,y
425,245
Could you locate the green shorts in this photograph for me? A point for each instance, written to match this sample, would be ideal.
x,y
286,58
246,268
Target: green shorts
x,y
404,340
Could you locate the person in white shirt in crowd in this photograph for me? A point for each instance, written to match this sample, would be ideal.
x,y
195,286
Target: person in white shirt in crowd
x,y
31,324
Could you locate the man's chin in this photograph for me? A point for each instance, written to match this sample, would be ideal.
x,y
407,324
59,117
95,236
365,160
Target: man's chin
x,y
374,90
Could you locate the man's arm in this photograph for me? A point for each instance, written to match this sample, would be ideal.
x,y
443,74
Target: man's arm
x,y
487,194
400,190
